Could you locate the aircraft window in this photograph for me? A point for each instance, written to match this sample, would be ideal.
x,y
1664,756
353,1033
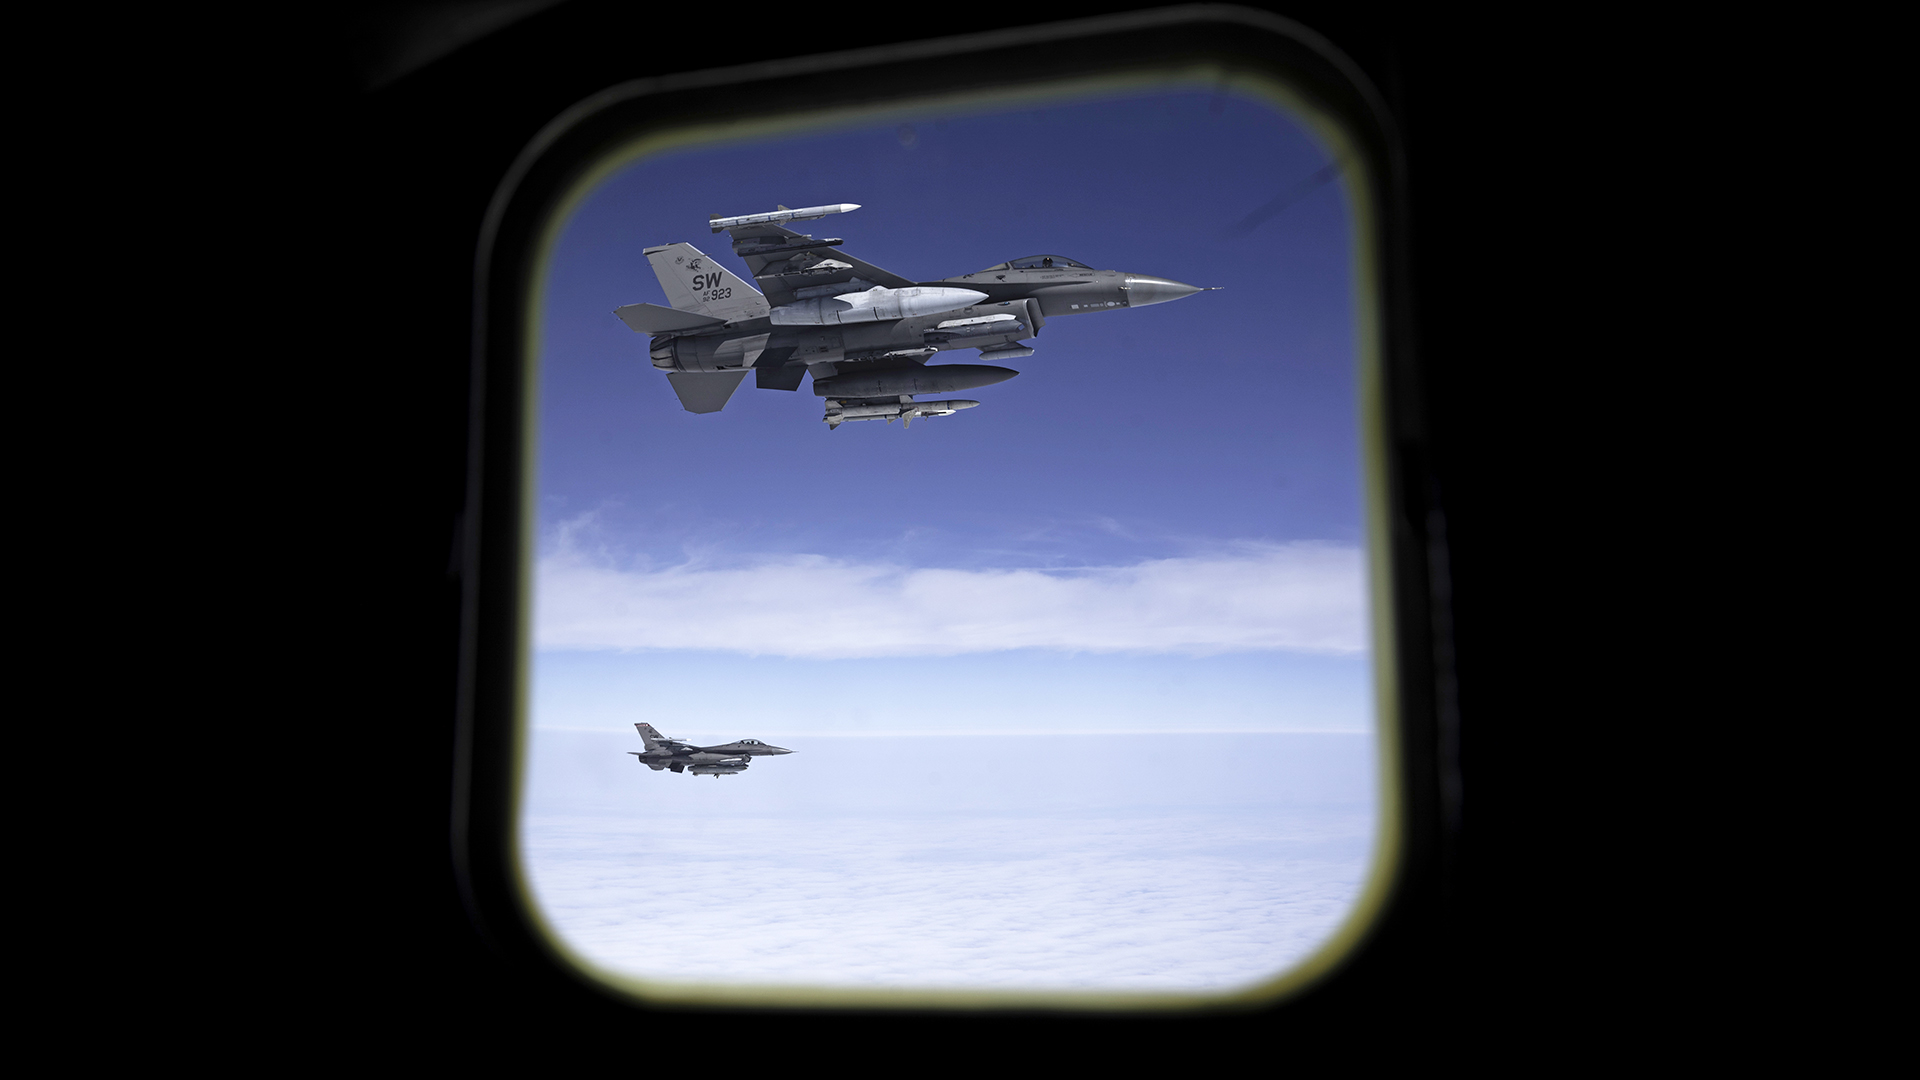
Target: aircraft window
x,y
969,675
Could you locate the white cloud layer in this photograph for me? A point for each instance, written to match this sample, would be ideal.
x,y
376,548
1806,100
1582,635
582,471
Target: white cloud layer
x,y
1128,862
1181,902
1303,596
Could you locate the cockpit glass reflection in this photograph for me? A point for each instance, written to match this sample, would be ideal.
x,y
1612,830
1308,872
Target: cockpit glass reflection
x,y
904,626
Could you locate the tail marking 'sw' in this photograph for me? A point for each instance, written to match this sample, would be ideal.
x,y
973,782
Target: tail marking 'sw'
x,y
694,282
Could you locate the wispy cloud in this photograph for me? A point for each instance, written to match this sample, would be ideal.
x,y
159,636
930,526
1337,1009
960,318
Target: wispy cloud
x,y
1303,596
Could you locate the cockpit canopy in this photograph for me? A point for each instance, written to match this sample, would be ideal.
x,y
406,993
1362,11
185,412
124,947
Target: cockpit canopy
x,y
753,742
1039,262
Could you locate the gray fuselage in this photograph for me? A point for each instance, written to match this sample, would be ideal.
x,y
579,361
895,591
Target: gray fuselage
x,y
724,758
1029,295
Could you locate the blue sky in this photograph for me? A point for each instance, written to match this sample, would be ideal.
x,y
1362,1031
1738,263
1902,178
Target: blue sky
x,y
1190,449
1156,528
1129,434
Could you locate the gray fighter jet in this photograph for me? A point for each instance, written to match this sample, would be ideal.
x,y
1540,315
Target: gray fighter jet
x,y
863,333
723,760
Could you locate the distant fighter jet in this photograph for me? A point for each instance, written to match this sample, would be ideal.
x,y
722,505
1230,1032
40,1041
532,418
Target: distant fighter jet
x,y
864,334
723,760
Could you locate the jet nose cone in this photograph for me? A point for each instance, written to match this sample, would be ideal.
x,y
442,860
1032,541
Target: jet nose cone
x,y
779,749
1142,291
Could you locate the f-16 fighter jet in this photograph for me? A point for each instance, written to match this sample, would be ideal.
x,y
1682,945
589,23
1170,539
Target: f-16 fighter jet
x,y
723,760
864,334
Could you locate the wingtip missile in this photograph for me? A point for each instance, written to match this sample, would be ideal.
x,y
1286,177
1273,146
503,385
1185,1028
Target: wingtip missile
x,y
717,223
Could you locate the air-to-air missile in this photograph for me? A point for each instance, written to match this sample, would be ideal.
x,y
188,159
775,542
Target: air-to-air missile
x,y
863,334
783,214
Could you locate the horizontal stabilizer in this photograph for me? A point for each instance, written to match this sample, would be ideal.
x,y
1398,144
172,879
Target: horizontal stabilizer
x,y
705,391
654,319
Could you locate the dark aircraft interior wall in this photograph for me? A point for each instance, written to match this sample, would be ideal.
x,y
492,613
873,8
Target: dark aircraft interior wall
x,y
420,117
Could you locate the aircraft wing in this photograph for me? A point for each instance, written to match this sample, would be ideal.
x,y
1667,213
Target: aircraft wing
x,y
783,261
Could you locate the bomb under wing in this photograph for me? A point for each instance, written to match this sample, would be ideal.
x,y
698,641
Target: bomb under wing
x,y
863,334
905,409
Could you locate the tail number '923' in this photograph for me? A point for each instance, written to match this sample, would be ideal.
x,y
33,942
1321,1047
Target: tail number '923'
x,y
711,283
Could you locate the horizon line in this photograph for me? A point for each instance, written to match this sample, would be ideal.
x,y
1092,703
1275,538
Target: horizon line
x,y
982,733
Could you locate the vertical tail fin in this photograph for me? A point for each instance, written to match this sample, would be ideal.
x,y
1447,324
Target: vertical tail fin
x,y
652,738
696,283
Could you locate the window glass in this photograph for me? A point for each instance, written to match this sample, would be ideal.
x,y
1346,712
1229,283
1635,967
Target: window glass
x,y
1077,682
